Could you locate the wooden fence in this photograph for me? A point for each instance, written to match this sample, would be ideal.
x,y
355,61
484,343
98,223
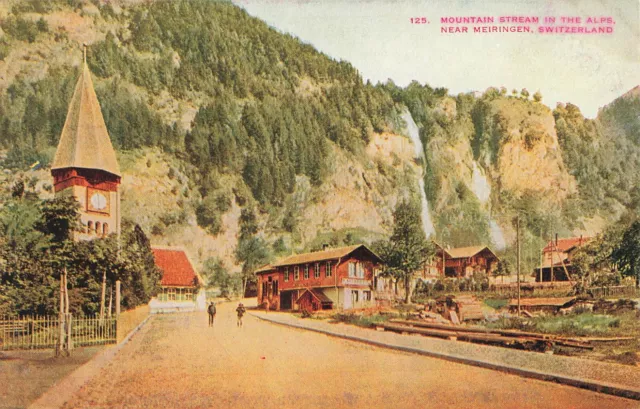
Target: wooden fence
x,y
130,319
612,291
37,332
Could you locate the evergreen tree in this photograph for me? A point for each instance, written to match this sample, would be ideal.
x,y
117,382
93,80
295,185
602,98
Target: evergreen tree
x,y
627,254
408,249
252,251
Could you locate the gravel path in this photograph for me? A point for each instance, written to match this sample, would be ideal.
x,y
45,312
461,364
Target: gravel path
x,y
176,361
25,375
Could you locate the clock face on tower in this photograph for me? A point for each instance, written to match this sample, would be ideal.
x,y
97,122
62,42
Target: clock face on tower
x,y
97,201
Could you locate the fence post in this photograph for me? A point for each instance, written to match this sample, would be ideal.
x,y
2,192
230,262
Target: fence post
x,y
117,298
60,319
69,332
32,329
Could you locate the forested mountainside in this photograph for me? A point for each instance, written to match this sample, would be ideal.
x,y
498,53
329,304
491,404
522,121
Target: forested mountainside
x,y
212,112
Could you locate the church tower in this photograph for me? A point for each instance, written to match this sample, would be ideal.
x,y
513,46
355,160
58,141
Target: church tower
x,y
85,164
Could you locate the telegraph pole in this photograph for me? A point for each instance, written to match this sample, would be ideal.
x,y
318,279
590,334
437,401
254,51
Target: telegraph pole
x,y
518,257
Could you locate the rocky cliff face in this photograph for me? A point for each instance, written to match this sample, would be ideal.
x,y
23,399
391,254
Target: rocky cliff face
x,y
529,157
486,158
360,193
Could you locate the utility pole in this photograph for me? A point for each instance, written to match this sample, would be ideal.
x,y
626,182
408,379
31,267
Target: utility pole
x,y
444,268
541,257
518,257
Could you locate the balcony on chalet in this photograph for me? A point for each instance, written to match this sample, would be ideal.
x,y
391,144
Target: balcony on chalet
x,y
356,281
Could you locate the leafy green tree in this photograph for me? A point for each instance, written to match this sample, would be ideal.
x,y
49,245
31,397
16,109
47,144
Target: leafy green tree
x,y
208,216
593,260
217,275
537,97
25,283
503,269
408,249
627,254
36,247
60,218
252,251
280,247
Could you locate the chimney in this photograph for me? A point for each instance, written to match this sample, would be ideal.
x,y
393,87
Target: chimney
x,y
325,246
556,239
580,242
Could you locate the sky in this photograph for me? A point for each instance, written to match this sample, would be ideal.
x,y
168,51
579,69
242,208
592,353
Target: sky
x,y
379,40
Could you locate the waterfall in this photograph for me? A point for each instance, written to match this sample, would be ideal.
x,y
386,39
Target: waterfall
x,y
497,237
414,135
482,189
479,184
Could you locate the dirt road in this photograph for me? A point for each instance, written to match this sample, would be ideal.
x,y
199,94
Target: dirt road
x,y
177,361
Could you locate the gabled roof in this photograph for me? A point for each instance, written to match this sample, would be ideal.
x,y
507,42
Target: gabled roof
x,y
176,266
318,295
566,244
465,252
265,269
329,254
84,142
547,264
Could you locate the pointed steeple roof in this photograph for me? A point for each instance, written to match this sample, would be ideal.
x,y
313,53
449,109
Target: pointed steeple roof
x,y
85,142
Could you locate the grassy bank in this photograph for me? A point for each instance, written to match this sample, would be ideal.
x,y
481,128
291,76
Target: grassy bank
x,y
363,320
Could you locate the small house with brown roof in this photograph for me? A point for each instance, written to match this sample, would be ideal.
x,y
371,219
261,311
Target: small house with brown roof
x,y
464,261
181,285
556,259
338,278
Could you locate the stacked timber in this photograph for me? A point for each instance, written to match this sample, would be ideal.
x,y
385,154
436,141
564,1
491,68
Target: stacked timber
x,y
470,308
458,309
542,305
508,338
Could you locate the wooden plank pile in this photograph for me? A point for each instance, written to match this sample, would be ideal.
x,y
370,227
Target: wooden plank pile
x,y
454,309
470,308
508,338
542,305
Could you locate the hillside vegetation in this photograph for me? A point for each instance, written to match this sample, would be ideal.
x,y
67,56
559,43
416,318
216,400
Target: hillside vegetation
x,y
214,112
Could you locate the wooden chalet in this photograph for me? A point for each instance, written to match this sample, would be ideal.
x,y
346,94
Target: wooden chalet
x,y
464,261
432,269
339,278
556,259
181,285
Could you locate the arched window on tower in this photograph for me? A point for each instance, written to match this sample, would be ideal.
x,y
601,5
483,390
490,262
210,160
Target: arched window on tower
x,y
90,227
105,229
98,231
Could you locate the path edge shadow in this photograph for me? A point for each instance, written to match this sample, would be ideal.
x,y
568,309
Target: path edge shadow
x,y
592,385
62,391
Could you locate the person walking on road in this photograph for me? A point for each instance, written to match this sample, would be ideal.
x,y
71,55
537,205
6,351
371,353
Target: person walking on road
x,y
212,313
240,310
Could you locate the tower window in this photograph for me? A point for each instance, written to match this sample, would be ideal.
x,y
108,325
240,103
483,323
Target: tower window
x,y
105,229
90,227
98,231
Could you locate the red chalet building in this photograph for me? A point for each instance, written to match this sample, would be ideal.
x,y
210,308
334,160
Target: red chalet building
x,y
340,278
556,259
464,261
